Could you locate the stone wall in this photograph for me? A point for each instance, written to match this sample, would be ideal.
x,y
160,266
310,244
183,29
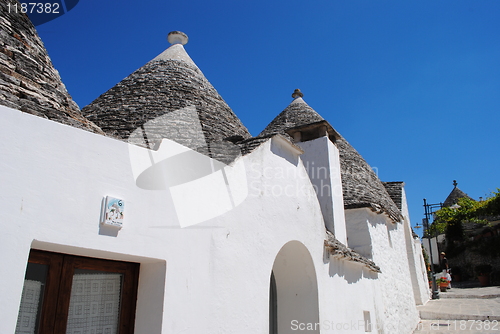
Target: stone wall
x,y
466,261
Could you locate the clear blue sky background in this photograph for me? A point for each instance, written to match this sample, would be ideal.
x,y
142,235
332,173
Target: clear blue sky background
x,y
413,85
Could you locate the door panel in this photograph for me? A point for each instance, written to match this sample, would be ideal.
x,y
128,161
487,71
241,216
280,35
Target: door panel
x,y
77,295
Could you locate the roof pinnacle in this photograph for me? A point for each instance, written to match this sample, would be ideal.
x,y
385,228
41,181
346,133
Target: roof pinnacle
x,y
455,183
297,93
177,37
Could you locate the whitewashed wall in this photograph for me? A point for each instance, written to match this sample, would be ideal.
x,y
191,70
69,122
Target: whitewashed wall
x,y
321,159
395,308
211,277
418,272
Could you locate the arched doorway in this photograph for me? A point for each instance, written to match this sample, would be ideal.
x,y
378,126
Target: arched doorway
x,y
293,297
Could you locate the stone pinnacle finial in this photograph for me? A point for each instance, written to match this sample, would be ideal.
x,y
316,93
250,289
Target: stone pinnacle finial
x,y
177,37
455,183
297,93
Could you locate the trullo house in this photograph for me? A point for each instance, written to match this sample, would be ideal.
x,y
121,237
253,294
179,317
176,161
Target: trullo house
x,y
154,210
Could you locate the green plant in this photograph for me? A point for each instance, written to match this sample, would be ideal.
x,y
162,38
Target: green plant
x,y
427,264
441,280
450,220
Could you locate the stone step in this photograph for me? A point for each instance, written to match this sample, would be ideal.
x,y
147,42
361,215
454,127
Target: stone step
x,y
446,295
430,315
461,309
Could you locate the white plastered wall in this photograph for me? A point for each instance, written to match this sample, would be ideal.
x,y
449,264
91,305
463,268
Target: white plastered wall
x,y
416,262
321,159
394,298
211,277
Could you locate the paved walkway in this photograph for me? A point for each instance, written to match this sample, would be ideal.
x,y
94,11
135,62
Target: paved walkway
x,y
464,309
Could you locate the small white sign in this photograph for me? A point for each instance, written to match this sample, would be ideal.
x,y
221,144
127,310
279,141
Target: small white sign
x,y
113,211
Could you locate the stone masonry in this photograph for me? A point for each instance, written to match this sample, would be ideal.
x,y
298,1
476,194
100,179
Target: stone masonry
x,y
28,80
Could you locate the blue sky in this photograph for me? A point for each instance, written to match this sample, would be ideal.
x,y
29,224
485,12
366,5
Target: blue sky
x,y
414,86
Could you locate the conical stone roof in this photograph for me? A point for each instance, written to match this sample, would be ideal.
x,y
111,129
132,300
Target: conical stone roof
x,y
455,195
298,113
169,97
28,80
361,186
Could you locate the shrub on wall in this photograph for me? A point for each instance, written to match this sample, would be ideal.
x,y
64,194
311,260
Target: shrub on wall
x,y
450,220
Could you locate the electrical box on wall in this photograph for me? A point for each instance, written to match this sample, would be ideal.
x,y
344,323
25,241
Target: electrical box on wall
x,y
113,212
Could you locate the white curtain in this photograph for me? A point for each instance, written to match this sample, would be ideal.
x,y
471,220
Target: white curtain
x,y
28,310
94,304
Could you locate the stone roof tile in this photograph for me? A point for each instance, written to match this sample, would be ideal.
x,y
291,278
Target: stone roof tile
x,y
395,190
341,251
362,187
28,80
297,113
169,97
